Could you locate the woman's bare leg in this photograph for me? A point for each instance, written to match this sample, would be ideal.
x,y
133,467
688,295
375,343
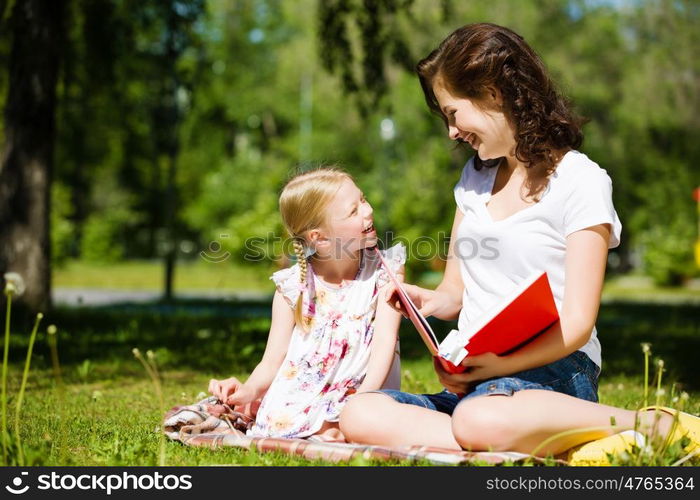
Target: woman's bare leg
x,y
523,421
375,418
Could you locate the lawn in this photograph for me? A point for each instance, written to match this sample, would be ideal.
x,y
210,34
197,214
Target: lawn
x,y
148,275
107,411
229,276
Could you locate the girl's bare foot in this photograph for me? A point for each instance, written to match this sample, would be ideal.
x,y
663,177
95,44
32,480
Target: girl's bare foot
x,y
330,432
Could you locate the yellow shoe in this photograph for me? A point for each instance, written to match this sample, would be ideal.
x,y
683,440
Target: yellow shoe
x,y
596,452
688,426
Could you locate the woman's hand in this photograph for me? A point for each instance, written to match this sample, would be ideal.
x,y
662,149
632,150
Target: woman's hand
x,y
454,382
479,367
427,301
486,366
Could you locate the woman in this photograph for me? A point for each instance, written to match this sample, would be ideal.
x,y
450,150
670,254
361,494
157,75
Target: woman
x,y
548,208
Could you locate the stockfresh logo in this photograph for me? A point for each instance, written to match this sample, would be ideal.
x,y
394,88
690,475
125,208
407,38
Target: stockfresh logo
x,y
16,488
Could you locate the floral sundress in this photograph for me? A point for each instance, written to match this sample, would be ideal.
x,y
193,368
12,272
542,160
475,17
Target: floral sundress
x,y
325,365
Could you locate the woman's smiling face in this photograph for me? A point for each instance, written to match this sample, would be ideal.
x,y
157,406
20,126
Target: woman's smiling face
x,y
487,131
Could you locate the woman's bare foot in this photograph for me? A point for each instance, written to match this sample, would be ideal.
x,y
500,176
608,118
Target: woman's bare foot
x,y
655,424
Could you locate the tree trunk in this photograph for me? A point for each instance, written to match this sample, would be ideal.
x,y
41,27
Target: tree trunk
x,y
27,156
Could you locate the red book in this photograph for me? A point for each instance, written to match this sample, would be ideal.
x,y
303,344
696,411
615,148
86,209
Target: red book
x,y
517,318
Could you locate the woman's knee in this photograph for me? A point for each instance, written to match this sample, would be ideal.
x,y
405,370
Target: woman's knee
x,y
483,425
360,415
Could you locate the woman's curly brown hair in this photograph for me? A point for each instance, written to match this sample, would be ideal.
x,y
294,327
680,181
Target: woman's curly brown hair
x,y
478,58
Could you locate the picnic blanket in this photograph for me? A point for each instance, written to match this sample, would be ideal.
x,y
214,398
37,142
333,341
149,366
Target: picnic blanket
x,y
212,424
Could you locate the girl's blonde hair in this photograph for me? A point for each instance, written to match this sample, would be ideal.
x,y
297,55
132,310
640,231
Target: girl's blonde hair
x,y
303,203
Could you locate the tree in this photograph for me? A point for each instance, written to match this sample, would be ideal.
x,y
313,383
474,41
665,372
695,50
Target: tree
x,y
26,162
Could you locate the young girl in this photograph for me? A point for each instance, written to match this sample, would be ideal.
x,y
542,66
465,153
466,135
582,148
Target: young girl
x,y
330,337
548,208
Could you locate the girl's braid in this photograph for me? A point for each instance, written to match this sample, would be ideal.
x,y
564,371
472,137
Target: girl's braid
x,y
303,268
301,258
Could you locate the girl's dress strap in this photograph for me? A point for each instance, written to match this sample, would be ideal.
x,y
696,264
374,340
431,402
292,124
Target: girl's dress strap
x,y
289,284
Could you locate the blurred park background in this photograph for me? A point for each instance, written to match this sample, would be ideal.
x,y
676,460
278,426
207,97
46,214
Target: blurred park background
x,y
177,122
144,144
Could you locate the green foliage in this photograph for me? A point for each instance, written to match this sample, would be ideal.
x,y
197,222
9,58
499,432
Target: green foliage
x,y
238,202
242,93
105,235
62,228
668,252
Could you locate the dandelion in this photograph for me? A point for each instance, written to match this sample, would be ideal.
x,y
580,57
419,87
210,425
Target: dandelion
x,y
646,349
659,391
14,284
51,331
23,385
152,369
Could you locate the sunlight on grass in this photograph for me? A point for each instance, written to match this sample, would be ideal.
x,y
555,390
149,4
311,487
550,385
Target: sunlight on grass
x,y
113,419
148,275
115,422
100,408
642,288
229,276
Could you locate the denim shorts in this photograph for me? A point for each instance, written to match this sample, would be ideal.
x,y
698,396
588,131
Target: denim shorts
x,y
575,375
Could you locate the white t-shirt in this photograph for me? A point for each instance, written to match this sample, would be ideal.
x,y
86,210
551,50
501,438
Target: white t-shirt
x,y
497,255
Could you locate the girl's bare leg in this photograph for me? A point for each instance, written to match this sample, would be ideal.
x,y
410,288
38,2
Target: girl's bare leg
x,y
523,421
375,418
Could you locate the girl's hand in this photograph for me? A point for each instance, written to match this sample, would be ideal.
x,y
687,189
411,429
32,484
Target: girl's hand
x,y
231,391
223,388
243,396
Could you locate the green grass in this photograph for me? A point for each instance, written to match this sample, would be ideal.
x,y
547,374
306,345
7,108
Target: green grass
x,y
642,289
149,275
108,411
230,276
110,419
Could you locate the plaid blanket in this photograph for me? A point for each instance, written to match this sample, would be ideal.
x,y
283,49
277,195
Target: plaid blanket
x,y
212,424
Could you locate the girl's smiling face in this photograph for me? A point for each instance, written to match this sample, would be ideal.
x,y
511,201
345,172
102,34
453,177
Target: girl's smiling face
x,y
486,130
350,224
